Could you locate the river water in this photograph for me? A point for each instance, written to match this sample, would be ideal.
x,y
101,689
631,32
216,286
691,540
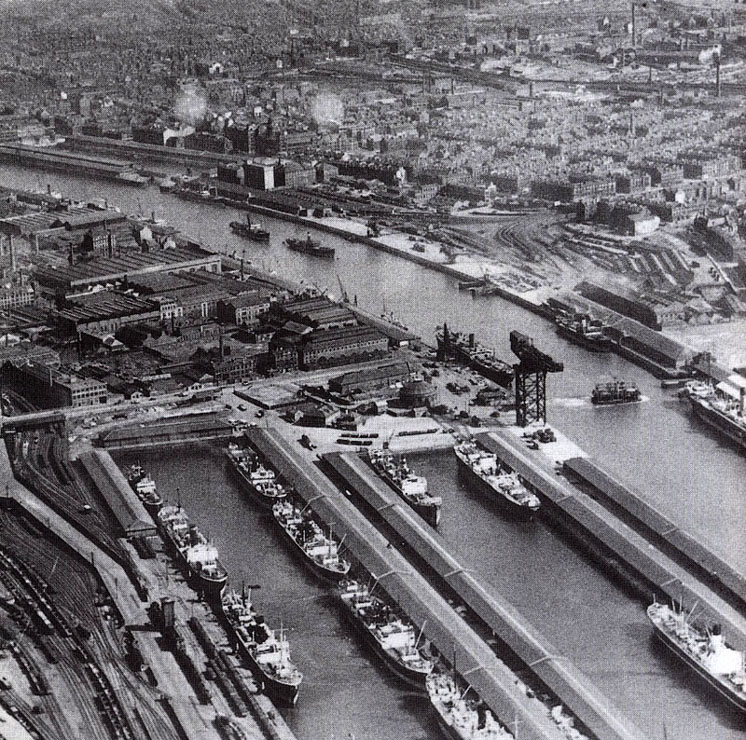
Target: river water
x,y
699,482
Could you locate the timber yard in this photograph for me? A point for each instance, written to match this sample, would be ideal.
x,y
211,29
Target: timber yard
x,y
373,372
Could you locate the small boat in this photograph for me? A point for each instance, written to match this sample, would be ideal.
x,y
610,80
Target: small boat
x,y
614,393
319,550
392,637
703,649
251,231
309,246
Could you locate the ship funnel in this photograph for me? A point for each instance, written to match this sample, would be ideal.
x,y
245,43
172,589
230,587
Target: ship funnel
x,y
471,341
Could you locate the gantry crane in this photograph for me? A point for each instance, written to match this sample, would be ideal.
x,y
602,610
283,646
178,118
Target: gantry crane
x,y
531,379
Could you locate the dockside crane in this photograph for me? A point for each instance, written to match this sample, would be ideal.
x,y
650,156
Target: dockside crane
x,y
531,379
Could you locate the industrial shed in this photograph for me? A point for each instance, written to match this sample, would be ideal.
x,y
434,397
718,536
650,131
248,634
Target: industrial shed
x,y
122,500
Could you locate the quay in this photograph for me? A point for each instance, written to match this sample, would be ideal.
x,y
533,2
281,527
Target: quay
x,y
620,497
618,546
555,671
451,635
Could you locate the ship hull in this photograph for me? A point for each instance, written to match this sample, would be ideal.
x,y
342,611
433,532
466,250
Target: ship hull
x,y
614,401
429,512
593,345
265,502
725,426
207,587
445,726
735,700
314,251
325,574
254,236
279,691
413,678
475,482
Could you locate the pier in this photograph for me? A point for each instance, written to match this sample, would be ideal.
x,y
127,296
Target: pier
x,y
452,636
615,544
556,672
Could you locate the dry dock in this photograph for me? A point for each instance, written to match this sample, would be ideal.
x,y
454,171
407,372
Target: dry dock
x,y
621,548
489,677
562,678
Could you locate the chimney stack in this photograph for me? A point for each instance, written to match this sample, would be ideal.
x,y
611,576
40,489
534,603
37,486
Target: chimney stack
x,y
13,266
634,27
717,75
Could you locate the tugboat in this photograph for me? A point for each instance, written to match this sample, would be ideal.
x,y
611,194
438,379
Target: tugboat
x,y
309,246
319,551
267,655
483,470
144,486
581,330
193,551
461,714
255,232
259,481
703,649
392,637
412,488
615,392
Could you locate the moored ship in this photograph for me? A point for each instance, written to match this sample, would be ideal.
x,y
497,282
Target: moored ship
x,y
461,714
703,649
309,246
252,231
319,550
412,488
193,551
581,330
392,637
267,654
615,392
483,469
464,349
722,407
259,481
145,488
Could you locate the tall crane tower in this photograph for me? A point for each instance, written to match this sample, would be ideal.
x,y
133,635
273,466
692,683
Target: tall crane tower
x,y
531,379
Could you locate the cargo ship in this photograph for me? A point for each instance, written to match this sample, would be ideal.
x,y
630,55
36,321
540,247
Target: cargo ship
x,y
465,350
391,637
309,246
267,654
257,480
412,488
461,714
483,470
615,392
319,550
144,486
722,407
255,232
703,649
195,554
581,330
